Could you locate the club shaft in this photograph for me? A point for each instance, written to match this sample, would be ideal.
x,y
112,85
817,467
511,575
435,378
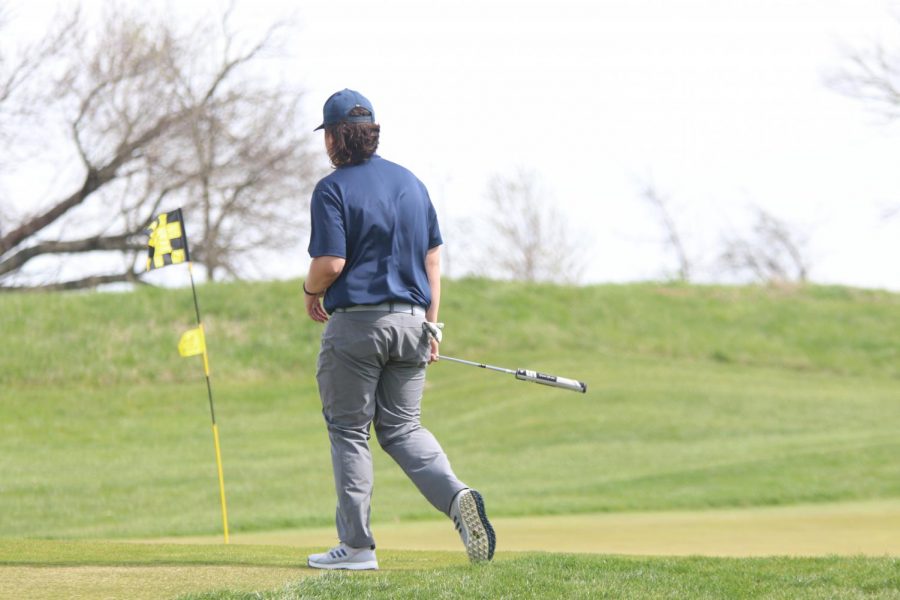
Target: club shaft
x,y
476,364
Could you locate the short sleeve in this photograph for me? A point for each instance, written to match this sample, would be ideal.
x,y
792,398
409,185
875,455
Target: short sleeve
x,y
328,235
434,230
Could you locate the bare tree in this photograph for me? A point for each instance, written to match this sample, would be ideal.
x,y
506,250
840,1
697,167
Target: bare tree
x,y
673,240
158,117
872,75
529,239
773,253
21,68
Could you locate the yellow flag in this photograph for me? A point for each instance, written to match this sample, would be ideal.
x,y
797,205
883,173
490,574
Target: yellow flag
x,y
168,241
192,342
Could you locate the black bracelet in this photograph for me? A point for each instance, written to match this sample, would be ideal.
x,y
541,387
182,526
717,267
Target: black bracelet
x,y
306,291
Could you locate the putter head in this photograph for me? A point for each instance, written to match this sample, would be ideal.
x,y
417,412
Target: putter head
x,y
551,380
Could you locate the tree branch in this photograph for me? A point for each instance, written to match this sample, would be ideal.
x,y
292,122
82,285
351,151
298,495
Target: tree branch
x,y
94,180
79,284
92,244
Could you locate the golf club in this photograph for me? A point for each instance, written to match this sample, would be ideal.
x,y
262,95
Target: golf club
x,y
526,375
434,329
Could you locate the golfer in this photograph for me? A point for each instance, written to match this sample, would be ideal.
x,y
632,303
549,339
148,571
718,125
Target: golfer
x,y
375,280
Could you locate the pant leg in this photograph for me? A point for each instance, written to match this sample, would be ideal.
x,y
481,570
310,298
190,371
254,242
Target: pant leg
x,y
348,371
398,401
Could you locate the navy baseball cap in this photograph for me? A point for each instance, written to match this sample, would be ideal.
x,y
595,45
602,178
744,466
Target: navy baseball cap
x,y
338,106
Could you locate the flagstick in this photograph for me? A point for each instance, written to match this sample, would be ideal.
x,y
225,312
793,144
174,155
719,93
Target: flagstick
x,y
212,410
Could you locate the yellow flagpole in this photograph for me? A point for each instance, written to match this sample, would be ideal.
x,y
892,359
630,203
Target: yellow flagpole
x,y
212,410
215,429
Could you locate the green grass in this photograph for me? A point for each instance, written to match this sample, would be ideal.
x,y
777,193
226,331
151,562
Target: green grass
x,y
116,461
74,553
699,398
569,576
89,447
260,330
138,569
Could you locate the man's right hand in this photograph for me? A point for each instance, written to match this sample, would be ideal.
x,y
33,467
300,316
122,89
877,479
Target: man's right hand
x,y
314,307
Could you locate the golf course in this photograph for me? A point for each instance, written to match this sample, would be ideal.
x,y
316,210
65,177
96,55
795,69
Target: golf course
x,y
734,442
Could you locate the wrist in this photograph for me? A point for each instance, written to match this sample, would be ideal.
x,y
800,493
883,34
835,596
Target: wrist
x,y
307,292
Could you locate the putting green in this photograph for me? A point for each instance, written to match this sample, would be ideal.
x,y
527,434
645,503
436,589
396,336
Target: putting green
x,y
859,528
137,582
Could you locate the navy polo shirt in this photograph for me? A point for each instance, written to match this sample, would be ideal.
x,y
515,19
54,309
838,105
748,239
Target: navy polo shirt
x,y
378,216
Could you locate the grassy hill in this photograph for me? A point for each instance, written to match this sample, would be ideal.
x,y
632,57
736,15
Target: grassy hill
x,y
698,397
259,330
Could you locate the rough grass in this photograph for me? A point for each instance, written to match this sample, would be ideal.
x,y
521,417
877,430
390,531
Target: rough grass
x,y
260,330
571,576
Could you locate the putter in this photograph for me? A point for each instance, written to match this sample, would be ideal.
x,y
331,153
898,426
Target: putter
x,y
526,375
521,374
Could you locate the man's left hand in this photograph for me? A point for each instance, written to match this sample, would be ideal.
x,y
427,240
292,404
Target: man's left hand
x,y
436,335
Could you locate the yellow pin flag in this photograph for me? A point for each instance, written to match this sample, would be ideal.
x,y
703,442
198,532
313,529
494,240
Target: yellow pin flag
x,y
168,245
192,342
168,241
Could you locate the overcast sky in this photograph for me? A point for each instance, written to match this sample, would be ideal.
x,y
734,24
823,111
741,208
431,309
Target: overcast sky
x,y
722,103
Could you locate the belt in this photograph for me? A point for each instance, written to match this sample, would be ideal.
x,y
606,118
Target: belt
x,y
391,307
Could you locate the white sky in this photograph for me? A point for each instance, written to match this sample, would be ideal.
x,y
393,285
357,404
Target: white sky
x,y
721,102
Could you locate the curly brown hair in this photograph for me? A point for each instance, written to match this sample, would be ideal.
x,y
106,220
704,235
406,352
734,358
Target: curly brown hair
x,y
353,143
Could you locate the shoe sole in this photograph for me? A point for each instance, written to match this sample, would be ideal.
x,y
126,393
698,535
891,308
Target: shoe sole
x,y
360,566
480,537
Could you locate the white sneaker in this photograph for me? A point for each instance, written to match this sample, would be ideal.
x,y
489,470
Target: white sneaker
x,y
343,556
467,512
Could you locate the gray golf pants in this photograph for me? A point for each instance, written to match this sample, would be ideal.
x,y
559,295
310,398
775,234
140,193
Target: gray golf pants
x,y
372,369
